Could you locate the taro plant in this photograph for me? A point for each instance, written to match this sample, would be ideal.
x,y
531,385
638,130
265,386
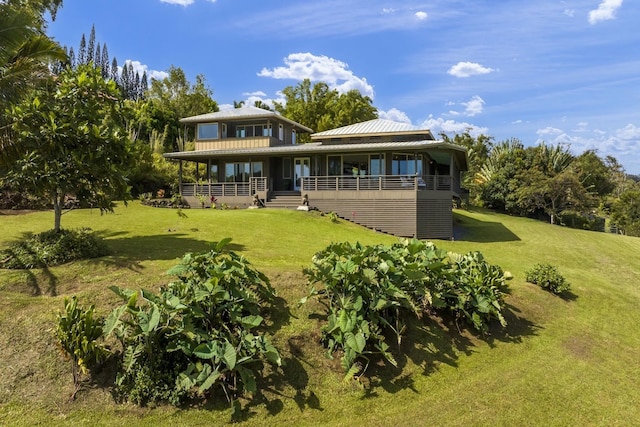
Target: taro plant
x,y
547,277
79,334
370,291
203,329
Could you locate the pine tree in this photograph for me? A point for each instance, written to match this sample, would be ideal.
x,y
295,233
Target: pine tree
x,y
131,77
105,62
97,59
136,87
92,45
144,85
72,58
82,51
114,71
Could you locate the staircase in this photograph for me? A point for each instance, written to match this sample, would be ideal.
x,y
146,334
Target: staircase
x,y
284,200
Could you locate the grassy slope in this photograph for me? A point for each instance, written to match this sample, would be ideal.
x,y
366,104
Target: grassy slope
x,y
562,361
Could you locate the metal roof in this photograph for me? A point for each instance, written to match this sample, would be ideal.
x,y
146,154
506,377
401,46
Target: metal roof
x,y
372,127
314,147
240,114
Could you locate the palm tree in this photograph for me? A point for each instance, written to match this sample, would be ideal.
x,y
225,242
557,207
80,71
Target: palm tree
x,y
25,53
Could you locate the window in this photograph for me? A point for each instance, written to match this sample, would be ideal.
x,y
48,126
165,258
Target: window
x,y
286,168
293,137
280,132
376,164
247,131
406,164
207,131
213,172
241,171
334,165
224,130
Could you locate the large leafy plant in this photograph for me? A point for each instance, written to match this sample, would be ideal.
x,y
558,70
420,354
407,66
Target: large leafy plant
x,y
370,291
203,329
79,335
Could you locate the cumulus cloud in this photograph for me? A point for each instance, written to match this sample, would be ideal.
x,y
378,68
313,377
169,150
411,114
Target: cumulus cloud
x,y
467,69
141,68
605,11
421,15
300,66
395,115
441,125
474,106
622,143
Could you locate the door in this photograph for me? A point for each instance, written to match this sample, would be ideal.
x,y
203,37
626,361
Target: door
x,y
301,168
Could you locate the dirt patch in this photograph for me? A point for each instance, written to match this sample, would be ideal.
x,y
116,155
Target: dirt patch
x,y
578,347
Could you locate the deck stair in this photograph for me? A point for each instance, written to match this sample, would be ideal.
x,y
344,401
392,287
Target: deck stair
x,y
284,200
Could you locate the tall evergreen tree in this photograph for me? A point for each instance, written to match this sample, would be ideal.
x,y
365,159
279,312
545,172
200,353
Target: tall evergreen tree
x,y
136,87
114,71
82,51
97,58
72,58
92,45
105,62
144,85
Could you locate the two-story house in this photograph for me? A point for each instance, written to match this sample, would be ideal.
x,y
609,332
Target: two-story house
x,y
388,176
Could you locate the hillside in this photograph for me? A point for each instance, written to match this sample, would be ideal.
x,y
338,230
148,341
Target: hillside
x,y
571,361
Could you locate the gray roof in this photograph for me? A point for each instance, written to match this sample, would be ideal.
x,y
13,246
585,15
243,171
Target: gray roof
x,y
241,114
312,148
372,127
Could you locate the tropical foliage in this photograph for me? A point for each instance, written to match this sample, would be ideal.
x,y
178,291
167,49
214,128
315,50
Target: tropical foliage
x,y
202,330
72,142
547,277
79,335
51,248
371,291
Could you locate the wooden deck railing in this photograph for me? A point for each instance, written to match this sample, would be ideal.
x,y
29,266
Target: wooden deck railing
x,y
383,182
225,188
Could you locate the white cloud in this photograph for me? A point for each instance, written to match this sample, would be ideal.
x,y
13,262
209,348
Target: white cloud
x,y
474,106
180,2
395,115
467,69
622,143
421,15
256,93
605,11
388,10
141,68
570,12
300,66
440,125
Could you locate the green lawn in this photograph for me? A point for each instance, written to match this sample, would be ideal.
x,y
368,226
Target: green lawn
x,y
571,361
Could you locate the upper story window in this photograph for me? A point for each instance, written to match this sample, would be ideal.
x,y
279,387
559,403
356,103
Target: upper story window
x,y
293,137
207,131
247,131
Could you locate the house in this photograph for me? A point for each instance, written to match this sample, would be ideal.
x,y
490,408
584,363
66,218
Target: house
x,y
388,176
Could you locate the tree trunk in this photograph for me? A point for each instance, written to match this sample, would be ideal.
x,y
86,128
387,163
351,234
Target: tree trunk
x,y
57,210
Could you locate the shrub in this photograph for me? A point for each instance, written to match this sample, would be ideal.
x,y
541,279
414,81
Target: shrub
x,y
370,291
53,248
547,277
78,332
201,330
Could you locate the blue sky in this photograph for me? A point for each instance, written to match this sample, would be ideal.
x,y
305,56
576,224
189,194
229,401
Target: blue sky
x,y
563,72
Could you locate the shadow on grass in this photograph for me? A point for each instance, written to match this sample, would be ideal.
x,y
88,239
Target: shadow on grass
x,y
435,341
472,230
172,245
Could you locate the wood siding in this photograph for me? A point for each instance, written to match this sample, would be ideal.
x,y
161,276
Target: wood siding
x,y
238,143
423,214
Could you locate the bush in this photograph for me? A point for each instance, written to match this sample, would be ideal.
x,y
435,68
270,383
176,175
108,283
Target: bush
x,y
547,277
370,291
78,333
202,330
53,248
